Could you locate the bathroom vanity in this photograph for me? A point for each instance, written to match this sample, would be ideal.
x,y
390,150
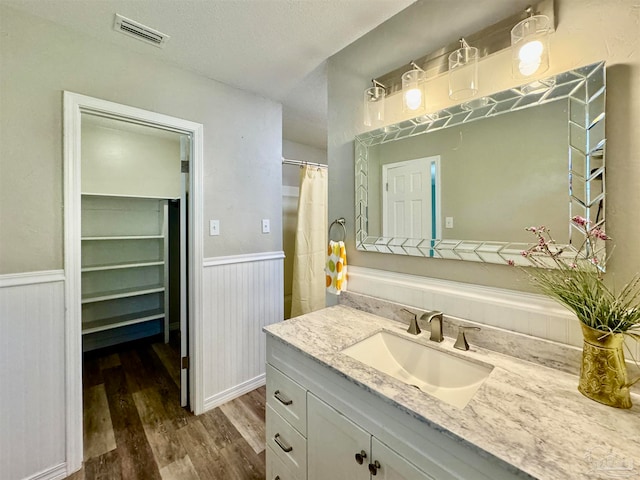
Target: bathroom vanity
x,y
330,415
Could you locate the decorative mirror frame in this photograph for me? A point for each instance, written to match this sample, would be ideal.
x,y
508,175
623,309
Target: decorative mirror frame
x,y
584,89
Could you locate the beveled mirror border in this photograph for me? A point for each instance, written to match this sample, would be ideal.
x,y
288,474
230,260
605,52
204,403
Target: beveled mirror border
x,y
584,89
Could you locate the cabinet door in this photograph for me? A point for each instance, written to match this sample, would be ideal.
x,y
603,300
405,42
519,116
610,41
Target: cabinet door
x,y
332,443
392,465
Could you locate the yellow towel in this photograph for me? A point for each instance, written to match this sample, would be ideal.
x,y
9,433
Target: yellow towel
x,y
336,268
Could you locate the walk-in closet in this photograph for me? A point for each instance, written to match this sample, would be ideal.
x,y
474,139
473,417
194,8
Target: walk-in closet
x,y
131,188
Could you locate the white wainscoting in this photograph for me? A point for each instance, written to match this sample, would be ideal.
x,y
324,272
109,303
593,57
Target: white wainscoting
x,y
521,312
32,388
241,295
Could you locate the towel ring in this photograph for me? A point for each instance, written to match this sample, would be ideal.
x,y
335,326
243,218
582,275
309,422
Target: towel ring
x,y
338,221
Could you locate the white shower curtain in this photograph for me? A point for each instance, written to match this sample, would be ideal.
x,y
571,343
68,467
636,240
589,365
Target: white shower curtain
x,y
308,292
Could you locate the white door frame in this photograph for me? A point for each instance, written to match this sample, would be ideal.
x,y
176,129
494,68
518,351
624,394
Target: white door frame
x,y
74,106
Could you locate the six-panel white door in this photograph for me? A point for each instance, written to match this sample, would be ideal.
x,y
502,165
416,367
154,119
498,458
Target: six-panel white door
x,y
410,198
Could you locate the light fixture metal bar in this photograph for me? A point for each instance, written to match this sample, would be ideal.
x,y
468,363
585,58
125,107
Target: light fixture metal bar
x,y
488,40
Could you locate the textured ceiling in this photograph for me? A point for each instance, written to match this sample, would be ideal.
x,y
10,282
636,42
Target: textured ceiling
x,y
276,48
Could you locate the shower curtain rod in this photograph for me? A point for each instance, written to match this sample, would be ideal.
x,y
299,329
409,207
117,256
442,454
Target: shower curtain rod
x,y
302,163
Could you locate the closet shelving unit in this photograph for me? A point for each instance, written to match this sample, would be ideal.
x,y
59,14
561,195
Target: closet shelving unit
x,y
124,268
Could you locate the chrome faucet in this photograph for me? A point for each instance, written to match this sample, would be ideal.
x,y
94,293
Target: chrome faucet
x,y
435,319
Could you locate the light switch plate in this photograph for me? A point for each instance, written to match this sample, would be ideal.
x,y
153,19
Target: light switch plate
x,y
214,227
448,222
266,227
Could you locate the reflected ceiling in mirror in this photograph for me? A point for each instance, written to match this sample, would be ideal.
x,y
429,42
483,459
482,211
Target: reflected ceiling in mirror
x,y
463,183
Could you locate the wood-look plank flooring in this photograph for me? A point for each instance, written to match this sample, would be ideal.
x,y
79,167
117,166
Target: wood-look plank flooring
x,y
135,429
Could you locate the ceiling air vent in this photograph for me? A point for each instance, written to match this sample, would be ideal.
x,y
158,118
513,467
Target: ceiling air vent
x,y
139,31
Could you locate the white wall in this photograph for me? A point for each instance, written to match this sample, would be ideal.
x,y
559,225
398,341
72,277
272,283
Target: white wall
x,y
299,151
118,159
586,32
242,138
242,185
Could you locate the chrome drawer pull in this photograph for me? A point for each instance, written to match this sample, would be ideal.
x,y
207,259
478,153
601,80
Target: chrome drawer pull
x,y
285,448
281,399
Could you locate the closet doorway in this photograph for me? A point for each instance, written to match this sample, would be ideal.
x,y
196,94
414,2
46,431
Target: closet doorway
x,y
132,261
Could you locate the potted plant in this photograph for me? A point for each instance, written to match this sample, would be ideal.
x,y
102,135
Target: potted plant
x,y
606,315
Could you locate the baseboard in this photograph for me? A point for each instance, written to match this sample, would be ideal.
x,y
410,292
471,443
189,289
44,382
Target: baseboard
x,y
54,473
234,392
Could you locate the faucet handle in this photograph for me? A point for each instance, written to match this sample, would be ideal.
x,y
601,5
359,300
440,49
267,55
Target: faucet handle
x,y
413,324
461,341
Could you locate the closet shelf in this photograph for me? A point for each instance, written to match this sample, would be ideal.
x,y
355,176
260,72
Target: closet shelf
x,y
118,266
123,293
124,237
124,195
125,268
121,321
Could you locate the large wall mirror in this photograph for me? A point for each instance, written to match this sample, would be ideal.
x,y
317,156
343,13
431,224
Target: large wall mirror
x,y
464,183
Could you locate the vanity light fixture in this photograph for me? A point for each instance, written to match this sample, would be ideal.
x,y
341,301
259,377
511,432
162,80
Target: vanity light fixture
x,y
374,104
525,33
530,45
463,72
413,89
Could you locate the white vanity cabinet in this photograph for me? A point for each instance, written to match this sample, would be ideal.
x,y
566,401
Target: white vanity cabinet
x,y
319,438
340,449
286,427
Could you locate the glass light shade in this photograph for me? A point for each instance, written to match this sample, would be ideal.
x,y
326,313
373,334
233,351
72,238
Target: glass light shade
x,y
412,91
463,73
373,106
530,46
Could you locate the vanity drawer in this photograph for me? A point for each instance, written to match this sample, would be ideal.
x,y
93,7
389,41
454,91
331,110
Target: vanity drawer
x,y
287,444
287,398
276,469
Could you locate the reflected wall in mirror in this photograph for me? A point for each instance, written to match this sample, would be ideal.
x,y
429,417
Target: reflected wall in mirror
x,y
464,182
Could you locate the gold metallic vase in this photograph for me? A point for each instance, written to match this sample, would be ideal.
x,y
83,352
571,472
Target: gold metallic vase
x,y
603,374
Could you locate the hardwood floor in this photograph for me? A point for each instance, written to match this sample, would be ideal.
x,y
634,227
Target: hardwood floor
x,y
135,429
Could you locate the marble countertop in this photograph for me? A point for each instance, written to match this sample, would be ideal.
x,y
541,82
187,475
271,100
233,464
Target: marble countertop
x,y
527,415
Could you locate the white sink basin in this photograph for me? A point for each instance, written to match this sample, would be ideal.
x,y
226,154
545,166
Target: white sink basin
x,y
450,378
